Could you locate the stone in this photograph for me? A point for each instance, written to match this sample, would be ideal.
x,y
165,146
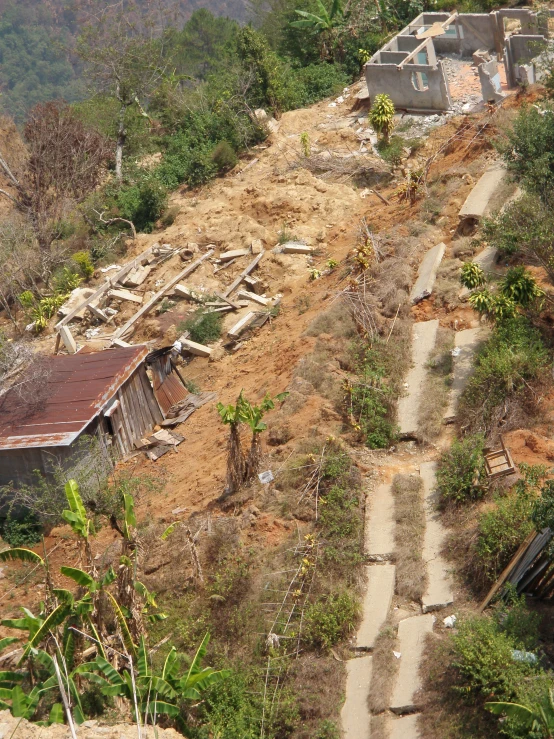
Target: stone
x,y
423,342
199,350
466,344
427,273
376,603
411,642
185,292
438,593
355,715
78,296
257,246
379,524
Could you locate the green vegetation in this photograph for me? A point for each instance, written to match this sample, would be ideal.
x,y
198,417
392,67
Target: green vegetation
x,y
381,116
204,327
504,527
330,619
461,470
391,150
370,398
514,357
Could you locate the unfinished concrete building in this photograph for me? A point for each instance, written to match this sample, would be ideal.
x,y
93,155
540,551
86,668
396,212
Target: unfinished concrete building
x,y
491,53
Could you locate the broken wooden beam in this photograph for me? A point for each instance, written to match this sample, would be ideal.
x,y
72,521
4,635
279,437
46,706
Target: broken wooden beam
x,y
98,313
199,350
125,295
109,283
241,325
293,247
147,307
185,292
236,282
68,340
233,254
252,296
122,344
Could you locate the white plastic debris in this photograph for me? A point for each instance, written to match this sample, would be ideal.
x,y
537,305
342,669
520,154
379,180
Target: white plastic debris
x,y
340,99
91,333
177,346
528,657
110,267
111,311
332,105
30,326
266,477
397,654
449,621
456,351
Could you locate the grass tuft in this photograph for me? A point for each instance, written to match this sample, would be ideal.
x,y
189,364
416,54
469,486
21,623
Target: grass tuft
x,y
411,576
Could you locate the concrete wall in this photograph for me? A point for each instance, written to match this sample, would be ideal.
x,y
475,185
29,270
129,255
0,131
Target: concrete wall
x,y
521,49
397,83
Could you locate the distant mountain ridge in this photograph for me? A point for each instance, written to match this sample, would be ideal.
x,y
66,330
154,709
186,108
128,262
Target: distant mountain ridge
x,y
36,37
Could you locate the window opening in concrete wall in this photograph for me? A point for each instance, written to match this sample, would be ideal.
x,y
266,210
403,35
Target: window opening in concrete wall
x,y
420,81
512,25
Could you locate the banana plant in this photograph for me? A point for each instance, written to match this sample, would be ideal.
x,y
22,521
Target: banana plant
x,y
536,717
326,25
155,694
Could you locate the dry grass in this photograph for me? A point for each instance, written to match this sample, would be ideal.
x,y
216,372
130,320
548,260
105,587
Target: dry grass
x,y
383,671
448,285
411,577
380,727
464,246
434,395
336,321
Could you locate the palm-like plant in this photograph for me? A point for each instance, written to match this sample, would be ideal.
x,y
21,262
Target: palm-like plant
x,y
155,695
325,25
381,115
535,717
472,275
520,286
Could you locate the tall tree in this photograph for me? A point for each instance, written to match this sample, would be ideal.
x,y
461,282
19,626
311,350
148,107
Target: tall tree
x,y
124,53
62,163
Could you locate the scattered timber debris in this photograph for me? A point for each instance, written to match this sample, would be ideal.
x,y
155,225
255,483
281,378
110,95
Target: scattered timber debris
x,y
179,412
159,443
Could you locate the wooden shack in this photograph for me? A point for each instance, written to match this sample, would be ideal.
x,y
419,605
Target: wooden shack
x,y
104,394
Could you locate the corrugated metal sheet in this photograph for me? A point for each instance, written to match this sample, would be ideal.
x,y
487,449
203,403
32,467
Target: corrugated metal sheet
x,y
78,387
168,388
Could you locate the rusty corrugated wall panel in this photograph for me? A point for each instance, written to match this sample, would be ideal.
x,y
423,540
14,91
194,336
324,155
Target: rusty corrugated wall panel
x,y
168,388
78,387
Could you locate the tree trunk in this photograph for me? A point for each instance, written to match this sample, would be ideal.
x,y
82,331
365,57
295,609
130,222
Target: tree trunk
x,y
121,139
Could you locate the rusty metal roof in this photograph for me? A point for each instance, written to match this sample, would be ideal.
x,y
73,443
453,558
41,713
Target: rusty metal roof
x,y
78,387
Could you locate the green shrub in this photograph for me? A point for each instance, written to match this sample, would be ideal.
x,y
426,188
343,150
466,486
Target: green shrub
x,y
327,730
341,525
392,151
517,621
232,709
543,508
514,355
330,619
203,327
142,203
319,81
484,662
224,156
529,150
503,528
461,470
65,280
24,530
370,399
186,161
83,261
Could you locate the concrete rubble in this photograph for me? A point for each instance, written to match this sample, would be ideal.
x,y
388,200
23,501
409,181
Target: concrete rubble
x,y
411,643
355,715
376,603
477,202
466,344
423,342
427,273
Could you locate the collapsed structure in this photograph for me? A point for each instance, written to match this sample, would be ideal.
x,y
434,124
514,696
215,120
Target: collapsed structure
x,y
505,43
106,395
